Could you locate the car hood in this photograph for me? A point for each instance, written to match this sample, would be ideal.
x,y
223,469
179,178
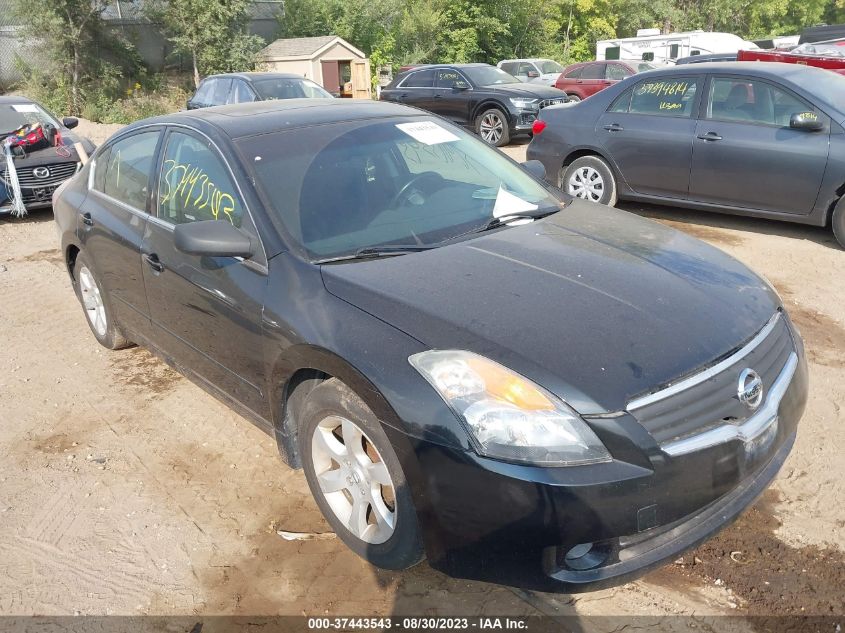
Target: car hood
x,y
595,304
530,90
50,155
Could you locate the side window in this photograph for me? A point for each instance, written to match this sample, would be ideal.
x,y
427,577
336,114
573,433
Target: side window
x,y
241,93
622,103
419,79
525,68
617,71
447,78
220,95
752,101
575,74
510,67
100,165
195,185
664,97
674,49
127,173
593,71
205,91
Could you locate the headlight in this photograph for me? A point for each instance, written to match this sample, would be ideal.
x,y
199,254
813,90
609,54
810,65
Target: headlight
x,y
508,416
524,103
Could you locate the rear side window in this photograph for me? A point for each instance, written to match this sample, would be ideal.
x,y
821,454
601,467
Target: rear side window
x,y
664,97
510,67
127,173
575,74
205,91
593,71
419,79
220,95
195,185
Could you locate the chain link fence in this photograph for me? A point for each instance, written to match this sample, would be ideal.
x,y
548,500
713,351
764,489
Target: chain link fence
x,y
9,45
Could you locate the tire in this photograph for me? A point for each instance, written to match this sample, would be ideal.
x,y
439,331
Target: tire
x,y
593,172
837,222
492,126
360,493
95,305
574,98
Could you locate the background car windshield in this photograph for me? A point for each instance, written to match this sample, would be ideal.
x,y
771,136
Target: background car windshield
x,y
289,88
489,76
405,181
548,66
15,115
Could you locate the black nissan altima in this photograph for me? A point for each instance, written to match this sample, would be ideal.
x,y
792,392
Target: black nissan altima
x,y
468,365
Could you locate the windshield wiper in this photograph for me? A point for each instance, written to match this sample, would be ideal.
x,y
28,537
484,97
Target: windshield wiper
x,y
372,252
504,220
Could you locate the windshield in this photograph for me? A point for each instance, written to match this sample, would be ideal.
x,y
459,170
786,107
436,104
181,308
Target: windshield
x,y
489,76
14,116
289,88
548,67
410,181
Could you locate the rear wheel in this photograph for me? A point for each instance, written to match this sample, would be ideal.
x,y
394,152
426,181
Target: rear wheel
x,y
356,478
96,306
492,127
589,178
837,222
574,98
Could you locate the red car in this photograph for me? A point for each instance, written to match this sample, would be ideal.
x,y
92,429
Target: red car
x,y
581,80
829,55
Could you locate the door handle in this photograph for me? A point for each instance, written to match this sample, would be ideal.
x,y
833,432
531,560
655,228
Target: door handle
x,y
154,262
710,136
438,96
404,95
87,219
613,127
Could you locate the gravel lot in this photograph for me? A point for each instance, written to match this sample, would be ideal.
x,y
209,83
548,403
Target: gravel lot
x,y
125,489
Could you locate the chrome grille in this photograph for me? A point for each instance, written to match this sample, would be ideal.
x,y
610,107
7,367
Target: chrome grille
x,y
709,399
58,173
549,102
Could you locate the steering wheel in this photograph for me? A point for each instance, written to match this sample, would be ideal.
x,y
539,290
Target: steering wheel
x,y
412,184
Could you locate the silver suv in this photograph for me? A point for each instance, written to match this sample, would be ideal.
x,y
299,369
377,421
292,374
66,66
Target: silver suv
x,y
535,70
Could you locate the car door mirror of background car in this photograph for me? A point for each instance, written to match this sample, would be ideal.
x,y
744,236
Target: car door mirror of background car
x,y
213,238
808,121
533,74
70,122
535,168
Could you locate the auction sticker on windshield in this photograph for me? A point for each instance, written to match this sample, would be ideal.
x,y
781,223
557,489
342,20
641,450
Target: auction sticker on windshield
x,y
427,132
25,107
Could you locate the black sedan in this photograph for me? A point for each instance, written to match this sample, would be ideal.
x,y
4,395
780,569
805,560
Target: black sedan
x,y
525,389
43,153
495,104
764,140
231,88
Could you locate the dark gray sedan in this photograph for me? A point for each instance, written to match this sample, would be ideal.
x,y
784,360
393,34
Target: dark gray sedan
x,y
755,139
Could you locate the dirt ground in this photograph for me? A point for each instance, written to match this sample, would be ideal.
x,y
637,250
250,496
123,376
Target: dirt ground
x,y
125,489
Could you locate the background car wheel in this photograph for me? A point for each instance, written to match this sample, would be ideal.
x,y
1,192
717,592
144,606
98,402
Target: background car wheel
x,y
590,178
574,98
356,478
492,127
95,303
837,222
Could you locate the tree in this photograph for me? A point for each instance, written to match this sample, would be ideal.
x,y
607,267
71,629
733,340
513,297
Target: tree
x,y
66,33
212,32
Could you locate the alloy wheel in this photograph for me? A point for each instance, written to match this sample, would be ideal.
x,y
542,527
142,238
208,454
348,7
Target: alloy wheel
x,y
354,479
92,301
492,127
586,183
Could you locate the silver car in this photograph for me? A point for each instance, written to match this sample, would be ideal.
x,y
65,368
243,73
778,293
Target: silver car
x,y
534,70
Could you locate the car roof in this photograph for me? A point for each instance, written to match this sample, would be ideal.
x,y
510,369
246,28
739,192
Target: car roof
x,y
257,75
249,119
15,99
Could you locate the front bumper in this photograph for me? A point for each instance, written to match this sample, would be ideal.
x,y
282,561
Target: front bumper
x,y
513,524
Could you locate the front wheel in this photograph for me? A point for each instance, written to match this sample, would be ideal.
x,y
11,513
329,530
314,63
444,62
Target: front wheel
x,y
590,178
837,222
356,478
96,306
492,127
574,98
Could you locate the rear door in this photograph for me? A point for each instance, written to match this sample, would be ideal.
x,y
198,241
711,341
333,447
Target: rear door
x,y
417,89
205,311
647,132
113,222
746,155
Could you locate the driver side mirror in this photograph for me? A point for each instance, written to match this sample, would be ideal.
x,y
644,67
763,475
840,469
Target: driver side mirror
x,y
808,121
535,168
212,238
532,74
70,122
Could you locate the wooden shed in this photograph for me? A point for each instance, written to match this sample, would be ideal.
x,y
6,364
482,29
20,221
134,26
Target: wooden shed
x,y
329,60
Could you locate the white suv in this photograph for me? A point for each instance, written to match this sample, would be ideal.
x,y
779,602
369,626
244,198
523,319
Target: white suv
x,y
536,71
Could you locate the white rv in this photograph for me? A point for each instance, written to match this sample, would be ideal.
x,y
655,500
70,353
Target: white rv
x,y
652,46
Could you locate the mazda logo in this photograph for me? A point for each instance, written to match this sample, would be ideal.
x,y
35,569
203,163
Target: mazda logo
x,y
41,172
750,388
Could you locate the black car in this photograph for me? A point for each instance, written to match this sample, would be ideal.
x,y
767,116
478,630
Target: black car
x,y
43,150
230,88
764,140
526,389
495,104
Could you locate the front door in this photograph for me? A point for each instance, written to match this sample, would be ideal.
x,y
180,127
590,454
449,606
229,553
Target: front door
x,y
648,131
746,155
452,96
113,221
592,79
206,311
331,76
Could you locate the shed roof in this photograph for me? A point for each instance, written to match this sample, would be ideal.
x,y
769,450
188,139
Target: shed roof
x,y
306,47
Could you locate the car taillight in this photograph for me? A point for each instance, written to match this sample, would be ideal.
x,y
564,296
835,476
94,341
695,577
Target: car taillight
x,y
538,126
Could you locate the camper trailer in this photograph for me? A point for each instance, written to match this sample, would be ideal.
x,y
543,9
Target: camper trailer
x,y
652,46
